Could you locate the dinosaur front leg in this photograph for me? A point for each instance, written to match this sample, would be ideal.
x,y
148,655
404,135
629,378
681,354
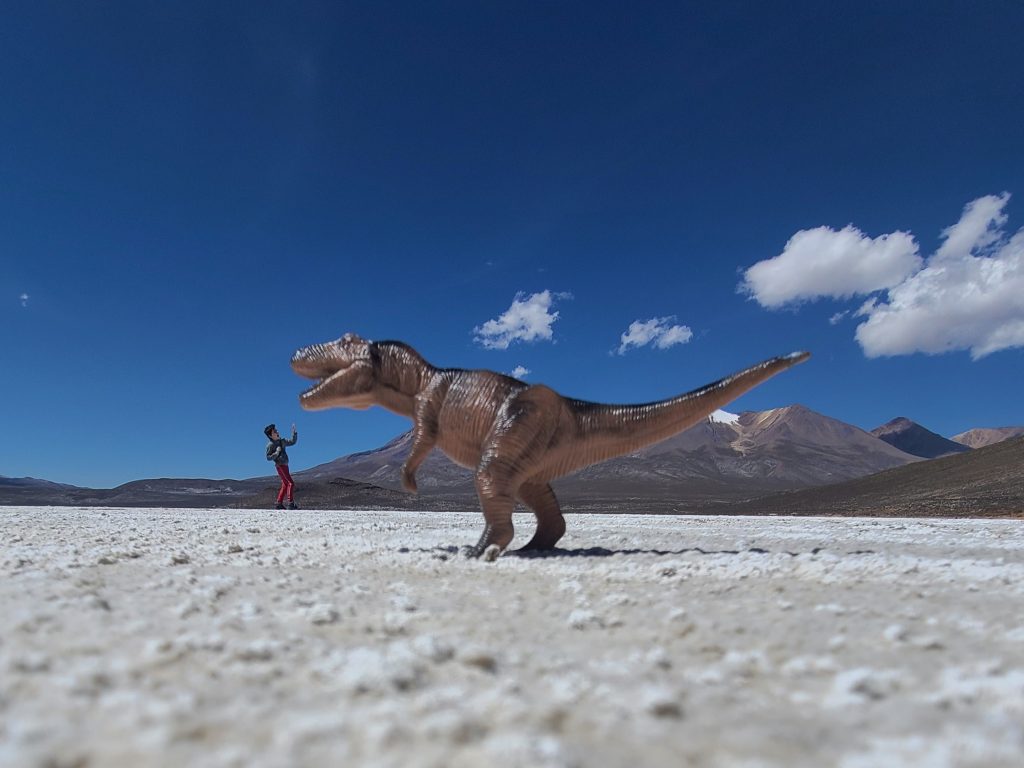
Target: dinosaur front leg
x,y
423,439
550,524
420,448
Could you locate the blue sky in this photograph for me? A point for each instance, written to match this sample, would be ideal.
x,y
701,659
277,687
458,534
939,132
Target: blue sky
x,y
190,191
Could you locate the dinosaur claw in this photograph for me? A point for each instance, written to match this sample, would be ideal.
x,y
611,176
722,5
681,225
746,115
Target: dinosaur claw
x,y
488,554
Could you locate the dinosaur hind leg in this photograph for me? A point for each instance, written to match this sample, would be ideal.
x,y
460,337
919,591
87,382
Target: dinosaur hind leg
x,y
494,487
520,439
550,524
497,508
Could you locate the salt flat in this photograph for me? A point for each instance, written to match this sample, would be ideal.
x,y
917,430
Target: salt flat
x,y
177,637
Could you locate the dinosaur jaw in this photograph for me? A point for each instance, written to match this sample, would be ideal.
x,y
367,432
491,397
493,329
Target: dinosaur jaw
x,y
342,380
320,361
313,398
345,389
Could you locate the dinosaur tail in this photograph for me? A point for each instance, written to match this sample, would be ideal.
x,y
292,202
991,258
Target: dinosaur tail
x,y
607,431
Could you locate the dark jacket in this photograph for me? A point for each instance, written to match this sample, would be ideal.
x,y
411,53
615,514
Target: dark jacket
x,y
275,449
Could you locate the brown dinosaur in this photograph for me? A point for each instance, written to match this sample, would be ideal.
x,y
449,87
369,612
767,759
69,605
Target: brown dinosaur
x,y
517,437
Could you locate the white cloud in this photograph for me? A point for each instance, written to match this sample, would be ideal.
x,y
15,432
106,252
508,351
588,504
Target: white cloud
x,y
980,226
656,331
528,319
837,317
969,295
824,262
24,299
519,372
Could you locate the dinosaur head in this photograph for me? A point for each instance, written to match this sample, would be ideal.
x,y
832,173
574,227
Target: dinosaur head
x,y
343,371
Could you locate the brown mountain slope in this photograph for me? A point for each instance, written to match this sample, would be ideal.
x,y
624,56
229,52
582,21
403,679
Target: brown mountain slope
x,y
437,476
985,482
979,438
763,451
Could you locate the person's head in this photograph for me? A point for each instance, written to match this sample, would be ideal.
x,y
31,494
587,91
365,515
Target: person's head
x,y
271,432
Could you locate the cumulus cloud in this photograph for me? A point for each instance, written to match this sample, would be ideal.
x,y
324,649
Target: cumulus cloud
x,y
969,295
823,262
656,331
980,226
528,319
519,372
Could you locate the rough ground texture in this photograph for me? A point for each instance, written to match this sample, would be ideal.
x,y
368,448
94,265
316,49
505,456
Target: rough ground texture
x,y
135,637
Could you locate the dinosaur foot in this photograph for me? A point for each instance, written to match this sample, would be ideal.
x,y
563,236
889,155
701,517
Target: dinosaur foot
x,y
488,554
492,542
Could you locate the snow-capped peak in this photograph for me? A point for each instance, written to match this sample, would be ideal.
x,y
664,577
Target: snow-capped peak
x,y
724,417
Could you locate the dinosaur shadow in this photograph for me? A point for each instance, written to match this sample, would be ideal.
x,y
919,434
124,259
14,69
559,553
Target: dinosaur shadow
x,y
604,552
543,554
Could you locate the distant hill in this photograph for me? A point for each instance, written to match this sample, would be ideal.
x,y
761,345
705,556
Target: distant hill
x,y
342,493
333,493
984,482
437,476
914,439
29,482
169,492
979,438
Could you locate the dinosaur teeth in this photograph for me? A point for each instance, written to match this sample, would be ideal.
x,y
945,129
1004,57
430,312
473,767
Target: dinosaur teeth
x,y
317,362
312,390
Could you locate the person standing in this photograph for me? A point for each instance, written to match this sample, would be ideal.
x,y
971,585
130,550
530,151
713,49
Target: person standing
x,y
276,453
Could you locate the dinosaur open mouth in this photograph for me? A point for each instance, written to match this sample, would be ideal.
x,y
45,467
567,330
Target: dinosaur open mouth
x,y
322,381
319,364
315,389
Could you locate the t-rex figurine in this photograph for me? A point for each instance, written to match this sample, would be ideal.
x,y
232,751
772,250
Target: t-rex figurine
x,y
518,437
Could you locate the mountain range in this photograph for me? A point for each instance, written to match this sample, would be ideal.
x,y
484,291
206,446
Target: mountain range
x,y
725,460
724,457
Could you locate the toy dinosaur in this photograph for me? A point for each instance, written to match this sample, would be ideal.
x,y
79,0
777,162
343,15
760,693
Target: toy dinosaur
x,y
517,437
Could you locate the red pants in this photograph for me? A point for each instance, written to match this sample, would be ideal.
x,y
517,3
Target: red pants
x,y
287,484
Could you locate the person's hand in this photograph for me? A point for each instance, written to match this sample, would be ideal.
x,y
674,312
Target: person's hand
x,y
293,427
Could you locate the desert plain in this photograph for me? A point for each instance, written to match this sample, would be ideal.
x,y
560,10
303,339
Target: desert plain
x,y
169,637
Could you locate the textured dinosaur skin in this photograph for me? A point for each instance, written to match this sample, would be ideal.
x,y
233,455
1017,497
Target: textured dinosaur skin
x,y
517,437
